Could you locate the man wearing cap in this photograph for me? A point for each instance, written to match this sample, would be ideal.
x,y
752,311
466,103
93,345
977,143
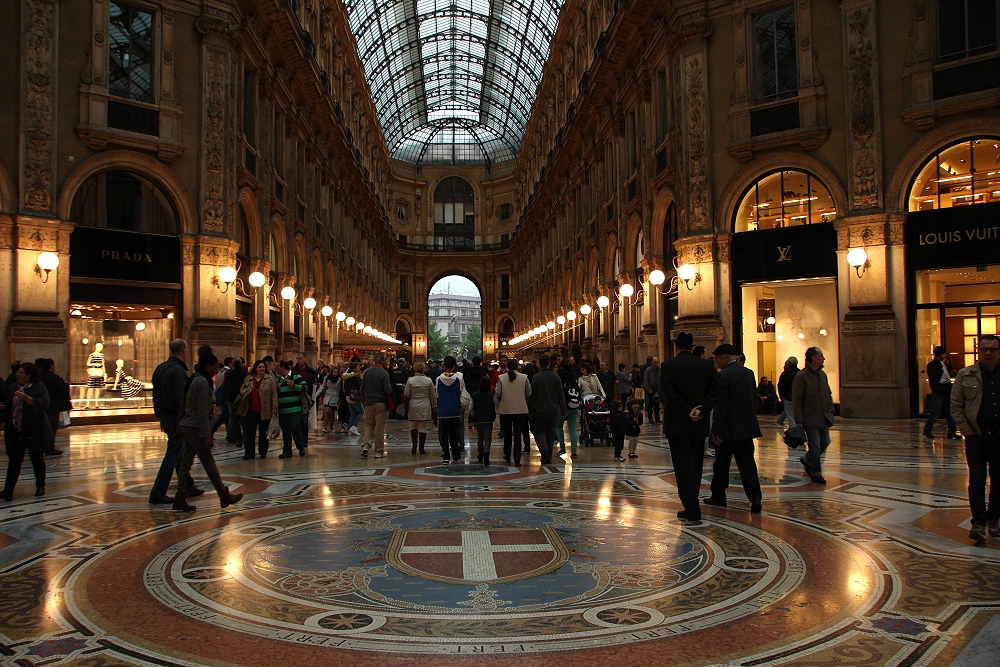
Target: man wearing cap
x,y
940,379
685,383
734,426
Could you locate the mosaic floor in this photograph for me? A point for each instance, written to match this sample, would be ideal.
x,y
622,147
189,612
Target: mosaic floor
x,y
337,560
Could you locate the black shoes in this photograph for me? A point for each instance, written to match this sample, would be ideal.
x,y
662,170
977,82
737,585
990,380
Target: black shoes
x,y
7,495
54,452
954,436
288,456
194,493
756,508
806,466
161,500
714,502
685,515
819,479
247,458
39,491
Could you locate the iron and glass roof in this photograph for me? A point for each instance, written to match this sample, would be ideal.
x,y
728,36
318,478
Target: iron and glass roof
x,y
453,80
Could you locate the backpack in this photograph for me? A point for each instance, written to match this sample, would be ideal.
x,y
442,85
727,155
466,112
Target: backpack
x,y
572,392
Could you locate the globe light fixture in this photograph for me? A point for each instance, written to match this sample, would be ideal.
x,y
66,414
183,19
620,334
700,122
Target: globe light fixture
x,y
770,320
626,290
288,293
350,321
327,311
139,326
686,273
603,301
340,316
585,309
560,320
858,259
571,315
227,274
657,277
309,303
256,279
550,324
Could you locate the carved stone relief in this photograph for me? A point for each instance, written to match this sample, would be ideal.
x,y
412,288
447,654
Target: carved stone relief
x,y
39,89
863,108
695,146
213,139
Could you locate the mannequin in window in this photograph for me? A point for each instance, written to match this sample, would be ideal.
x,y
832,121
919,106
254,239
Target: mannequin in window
x,y
96,379
126,384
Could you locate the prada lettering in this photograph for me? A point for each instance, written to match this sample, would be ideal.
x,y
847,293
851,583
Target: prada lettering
x,y
784,253
960,236
125,256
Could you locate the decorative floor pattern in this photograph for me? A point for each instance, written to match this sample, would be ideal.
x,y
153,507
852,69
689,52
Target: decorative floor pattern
x,y
335,559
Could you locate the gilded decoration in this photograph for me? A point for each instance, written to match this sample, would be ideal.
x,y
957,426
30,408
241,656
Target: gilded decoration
x,y
39,89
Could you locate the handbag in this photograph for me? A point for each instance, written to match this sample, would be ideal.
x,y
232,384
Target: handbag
x,y
795,436
64,418
273,429
466,401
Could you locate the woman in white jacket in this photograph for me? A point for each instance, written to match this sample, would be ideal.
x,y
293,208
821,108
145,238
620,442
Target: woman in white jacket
x,y
513,390
422,401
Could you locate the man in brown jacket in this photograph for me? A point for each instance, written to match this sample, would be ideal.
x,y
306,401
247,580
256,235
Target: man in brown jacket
x,y
813,403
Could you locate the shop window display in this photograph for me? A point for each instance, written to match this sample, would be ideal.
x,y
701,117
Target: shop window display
x,y
962,174
113,351
785,198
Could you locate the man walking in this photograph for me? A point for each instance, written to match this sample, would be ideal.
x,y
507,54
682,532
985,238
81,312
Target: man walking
x,y
685,383
169,388
940,380
651,382
231,386
307,373
785,390
58,402
975,407
813,411
375,391
547,404
734,426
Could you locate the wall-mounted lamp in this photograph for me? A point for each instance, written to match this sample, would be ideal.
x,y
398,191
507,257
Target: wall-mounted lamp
x,y
326,311
288,293
550,324
309,303
858,259
47,263
585,309
340,316
571,315
603,301
350,321
256,280
560,320
687,274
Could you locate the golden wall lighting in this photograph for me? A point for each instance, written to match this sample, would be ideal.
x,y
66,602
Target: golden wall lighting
x,y
585,309
857,258
47,263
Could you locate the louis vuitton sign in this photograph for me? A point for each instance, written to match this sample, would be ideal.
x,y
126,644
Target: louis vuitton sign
x,y
957,236
805,251
110,254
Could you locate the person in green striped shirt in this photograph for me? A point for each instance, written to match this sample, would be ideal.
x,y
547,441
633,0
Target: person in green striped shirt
x,y
290,388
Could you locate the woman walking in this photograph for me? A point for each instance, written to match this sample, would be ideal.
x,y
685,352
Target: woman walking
x,y
421,401
25,428
352,387
512,394
196,426
260,401
571,389
331,400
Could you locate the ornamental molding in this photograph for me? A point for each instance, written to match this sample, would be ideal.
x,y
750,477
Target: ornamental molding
x,y
862,117
37,105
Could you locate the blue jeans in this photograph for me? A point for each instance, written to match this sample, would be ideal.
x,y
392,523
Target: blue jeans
x,y
940,402
171,459
357,413
819,440
787,410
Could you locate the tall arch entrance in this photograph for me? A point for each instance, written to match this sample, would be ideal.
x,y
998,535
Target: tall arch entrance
x,y
454,319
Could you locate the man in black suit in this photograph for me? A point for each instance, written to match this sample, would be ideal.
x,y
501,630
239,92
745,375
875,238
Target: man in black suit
x,y
685,383
941,383
734,399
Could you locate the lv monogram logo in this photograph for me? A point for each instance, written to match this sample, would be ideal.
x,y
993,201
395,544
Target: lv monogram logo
x,y
784,253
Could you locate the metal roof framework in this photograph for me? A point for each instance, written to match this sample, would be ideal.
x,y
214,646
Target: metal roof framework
x,y
453,80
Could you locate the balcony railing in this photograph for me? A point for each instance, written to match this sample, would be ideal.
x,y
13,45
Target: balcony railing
x,y
447,244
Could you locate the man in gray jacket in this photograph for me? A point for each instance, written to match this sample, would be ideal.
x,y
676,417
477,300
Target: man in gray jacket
x,y
734,426
546,405
169,386
375,392
813,403
651,381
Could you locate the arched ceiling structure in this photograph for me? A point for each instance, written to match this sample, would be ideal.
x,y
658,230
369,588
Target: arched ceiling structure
x,y
453,80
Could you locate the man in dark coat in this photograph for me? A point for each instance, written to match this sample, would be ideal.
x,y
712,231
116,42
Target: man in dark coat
x,y
734,399
685,384
941,383
169,388
58,402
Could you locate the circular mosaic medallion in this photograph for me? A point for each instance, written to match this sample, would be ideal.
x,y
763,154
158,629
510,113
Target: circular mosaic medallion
x,y
471,576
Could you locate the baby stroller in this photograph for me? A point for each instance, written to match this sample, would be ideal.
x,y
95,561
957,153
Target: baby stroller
x,y
596,421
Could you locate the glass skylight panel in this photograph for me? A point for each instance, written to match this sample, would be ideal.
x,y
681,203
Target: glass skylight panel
x,y
453,80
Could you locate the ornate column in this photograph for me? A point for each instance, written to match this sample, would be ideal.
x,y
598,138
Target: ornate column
x,y
703,305
263,334
307,326
873,382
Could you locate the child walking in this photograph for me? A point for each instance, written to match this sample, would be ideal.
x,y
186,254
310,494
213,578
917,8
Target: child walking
x,y
634,414
484,413
619,427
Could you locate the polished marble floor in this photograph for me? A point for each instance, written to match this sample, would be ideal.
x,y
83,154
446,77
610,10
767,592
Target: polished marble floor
x,y
332,559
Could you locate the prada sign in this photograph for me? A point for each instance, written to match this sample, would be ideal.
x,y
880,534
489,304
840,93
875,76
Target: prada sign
x,y
957,236
805,251
110,254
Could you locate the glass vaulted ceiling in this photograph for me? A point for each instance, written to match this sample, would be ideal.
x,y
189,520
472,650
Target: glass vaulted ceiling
x,y
453,80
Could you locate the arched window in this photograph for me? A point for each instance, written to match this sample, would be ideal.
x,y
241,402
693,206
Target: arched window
x,y
272,253
962,174
784,198
126,201
454,214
